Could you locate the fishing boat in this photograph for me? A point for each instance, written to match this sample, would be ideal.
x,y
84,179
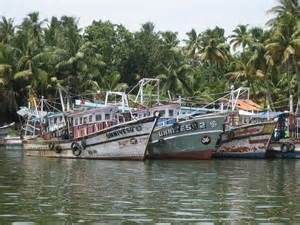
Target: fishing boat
x,y
194,138
285,142
246,141
100,132
244,136
126,141
5,129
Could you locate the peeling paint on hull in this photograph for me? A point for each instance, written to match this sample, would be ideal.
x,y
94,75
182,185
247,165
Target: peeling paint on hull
x,y
124,141
250,141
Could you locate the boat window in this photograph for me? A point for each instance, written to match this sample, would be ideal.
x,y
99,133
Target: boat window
x,y
76,121
90,118
55,120
171,112
98,117
107,116
60,119
80,120
84,120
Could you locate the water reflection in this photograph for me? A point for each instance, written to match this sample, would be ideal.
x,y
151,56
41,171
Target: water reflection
x,y
54,191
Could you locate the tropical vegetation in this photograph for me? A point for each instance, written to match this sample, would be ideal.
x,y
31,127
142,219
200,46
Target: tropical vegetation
x,y
40,54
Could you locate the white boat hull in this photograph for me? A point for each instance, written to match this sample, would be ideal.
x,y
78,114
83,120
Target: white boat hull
x,y
126,141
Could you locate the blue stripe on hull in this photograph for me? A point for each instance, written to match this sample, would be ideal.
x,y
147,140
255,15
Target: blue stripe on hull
x,y
284,155
240,155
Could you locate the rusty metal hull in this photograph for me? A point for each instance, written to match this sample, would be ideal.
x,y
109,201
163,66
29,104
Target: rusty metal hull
x,y
126,141
185,155
251,141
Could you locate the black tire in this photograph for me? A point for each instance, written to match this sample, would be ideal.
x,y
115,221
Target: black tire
x,y
83,144
284,147
51,145
291,147
76,150
73,144
58,149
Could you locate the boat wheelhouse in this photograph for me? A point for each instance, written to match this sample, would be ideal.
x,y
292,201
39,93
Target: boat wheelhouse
x,y
168,112
86,122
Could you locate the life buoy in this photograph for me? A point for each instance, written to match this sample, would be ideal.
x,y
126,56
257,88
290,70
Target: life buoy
x,y
291,147
51,145
284,147
58,149
76,149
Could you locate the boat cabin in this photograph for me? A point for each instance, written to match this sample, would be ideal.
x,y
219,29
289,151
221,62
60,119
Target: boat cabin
x,y
168,113
84,122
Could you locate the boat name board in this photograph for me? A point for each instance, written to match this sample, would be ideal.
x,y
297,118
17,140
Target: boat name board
x,y
178,128
124,131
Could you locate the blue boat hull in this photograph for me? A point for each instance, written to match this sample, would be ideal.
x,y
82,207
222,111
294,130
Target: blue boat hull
x,y
284,155
240,155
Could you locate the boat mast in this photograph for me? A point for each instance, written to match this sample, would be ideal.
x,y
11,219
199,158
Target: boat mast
x,y
140,97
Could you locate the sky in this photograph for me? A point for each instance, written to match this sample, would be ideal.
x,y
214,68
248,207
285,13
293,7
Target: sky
x,y
173,15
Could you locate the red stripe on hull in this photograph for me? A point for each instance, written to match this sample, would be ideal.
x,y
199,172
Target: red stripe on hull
x,y
207,154
258,141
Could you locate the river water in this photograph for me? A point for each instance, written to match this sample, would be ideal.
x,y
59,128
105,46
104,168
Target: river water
x,y
64,191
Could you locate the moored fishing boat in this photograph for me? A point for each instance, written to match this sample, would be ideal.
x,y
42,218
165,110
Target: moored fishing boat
x,y
5,129
122,141
246,141
194,138
285,142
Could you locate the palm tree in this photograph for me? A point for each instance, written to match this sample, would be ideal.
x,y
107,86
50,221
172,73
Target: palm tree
x,y
176,78
193,44
290,8
214,56
7,30
241,37
245,74
283,48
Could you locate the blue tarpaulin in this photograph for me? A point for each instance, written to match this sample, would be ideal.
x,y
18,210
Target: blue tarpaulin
x,y
266,115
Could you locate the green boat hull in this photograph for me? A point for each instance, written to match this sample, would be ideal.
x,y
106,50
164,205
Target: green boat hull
x,y
196,138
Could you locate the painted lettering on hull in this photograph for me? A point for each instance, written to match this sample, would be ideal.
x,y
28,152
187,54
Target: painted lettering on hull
x,y
180,128
123,131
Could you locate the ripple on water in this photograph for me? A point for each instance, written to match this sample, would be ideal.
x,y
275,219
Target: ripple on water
x,y
183,213
123,202
60,214
23,223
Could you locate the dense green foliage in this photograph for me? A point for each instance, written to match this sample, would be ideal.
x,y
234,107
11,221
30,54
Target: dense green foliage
x,y
39,55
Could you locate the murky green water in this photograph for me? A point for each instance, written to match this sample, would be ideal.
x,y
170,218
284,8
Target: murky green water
x,y
53,191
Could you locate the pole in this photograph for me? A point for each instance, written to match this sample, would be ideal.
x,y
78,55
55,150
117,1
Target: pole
x,y
61,99
291,103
